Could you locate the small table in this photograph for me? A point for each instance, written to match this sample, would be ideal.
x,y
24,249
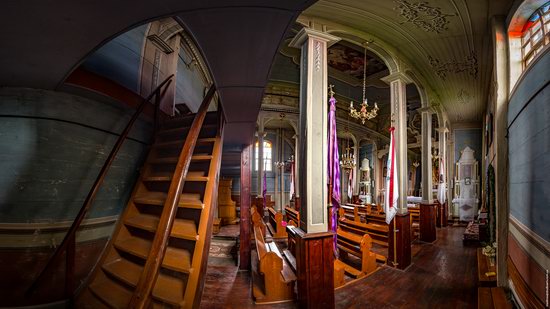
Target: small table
x,y
483,267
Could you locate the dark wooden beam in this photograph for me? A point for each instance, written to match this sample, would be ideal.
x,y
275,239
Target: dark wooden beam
x,y
314,268
246,181
399,244
428,218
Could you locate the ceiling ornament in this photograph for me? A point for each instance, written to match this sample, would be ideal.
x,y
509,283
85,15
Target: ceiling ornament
x,y
363,114
423,16
452,66
463,96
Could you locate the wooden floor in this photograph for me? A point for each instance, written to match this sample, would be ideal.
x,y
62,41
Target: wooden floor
x,y
443,275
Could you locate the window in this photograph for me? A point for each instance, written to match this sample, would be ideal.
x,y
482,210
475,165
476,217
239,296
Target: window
x,y
536,34
267,156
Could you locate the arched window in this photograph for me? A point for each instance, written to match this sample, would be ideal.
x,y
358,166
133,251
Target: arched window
x,y
536,34
267,156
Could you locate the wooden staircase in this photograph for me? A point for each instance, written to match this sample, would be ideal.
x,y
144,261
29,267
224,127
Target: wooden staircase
x,y
128,263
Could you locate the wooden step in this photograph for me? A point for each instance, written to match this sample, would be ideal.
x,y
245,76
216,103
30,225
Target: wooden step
x,y
187,200
167,177
187,120
167,288
175,259
182,228
111,293
180,142
174,160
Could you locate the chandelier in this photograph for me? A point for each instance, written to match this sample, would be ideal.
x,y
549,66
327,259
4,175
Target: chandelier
x,y
347,159
363,114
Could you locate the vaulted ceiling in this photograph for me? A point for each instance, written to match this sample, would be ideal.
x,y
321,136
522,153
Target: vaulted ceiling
x,y
445,42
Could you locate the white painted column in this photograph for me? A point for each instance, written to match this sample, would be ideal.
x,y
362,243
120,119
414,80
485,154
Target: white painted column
x,y
261,171
426,150
443,152
313,127
296,165
398,98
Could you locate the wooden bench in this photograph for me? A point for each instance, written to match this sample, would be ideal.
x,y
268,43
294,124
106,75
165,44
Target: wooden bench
x,y
378,232
257,220
272,278
415,222
292,214
491,298
486,273
276,224
358,246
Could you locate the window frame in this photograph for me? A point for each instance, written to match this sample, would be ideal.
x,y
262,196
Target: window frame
x,y
268,156
541,26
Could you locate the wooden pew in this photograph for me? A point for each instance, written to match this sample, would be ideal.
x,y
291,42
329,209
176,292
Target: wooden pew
x,y
415,222
292,214
358,246
272,279
257,220
378,232
276,224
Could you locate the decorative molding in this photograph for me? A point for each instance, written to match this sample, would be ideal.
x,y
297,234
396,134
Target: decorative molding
x,y
160,43
463,96
452,66
537,241
317,56
423,16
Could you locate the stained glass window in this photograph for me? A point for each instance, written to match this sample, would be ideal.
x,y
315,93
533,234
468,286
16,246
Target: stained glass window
x,y
536,34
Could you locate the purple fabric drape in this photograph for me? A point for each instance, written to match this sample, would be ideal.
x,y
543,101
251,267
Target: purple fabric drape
x,y
333,168
264,186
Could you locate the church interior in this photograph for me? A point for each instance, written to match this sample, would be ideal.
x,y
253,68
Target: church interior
x,y
275,154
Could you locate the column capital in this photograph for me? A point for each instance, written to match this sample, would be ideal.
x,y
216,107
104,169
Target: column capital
x,y
307,33
295,136
397,76
261,133
428,110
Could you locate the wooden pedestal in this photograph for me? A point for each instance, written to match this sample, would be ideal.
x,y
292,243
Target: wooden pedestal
x,y
315,269
227,209
399,244
441,215
428,213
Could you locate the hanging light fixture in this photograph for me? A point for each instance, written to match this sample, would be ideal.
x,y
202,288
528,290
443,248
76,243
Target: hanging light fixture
x,y
363,114
347,159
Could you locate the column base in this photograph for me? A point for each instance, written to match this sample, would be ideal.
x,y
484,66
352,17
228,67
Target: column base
x,y
315,269
399,245
428,218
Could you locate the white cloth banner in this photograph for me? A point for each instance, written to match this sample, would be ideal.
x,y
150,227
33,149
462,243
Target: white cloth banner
x,y
392,190
291,181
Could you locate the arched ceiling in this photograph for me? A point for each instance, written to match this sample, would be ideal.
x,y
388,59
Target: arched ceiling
x,y
445,42
43,42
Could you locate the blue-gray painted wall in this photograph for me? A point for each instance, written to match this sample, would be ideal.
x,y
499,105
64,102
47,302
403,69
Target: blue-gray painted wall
x,y
120,59
49,164
471,138
529,149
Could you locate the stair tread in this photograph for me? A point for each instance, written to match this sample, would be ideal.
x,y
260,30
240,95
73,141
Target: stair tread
x,y
174,160
187,200
180,142
191,176
167,288
182,228
113,294
175,259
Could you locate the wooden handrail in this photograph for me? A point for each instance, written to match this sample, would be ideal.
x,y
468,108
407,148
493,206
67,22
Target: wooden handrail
x,y
148,277
69,239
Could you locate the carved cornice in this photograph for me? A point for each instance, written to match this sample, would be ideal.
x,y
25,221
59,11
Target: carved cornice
x,y
442,68
423,16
